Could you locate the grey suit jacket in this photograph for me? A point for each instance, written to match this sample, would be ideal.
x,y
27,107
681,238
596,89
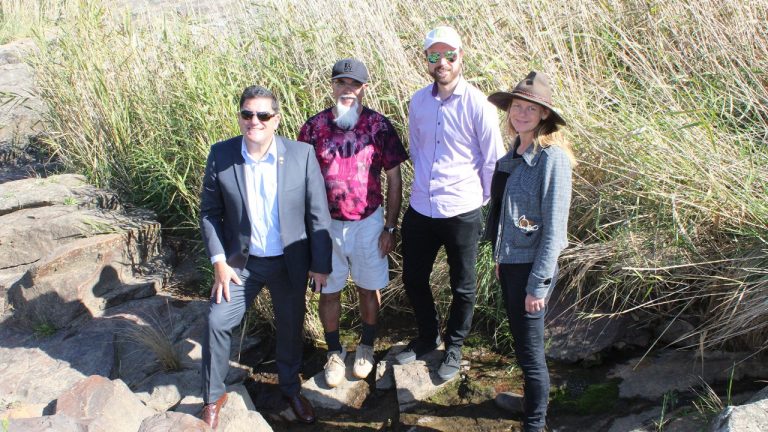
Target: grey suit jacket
x,y
302,207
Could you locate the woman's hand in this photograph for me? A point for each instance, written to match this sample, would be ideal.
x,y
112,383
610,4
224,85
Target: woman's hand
x,y
533,304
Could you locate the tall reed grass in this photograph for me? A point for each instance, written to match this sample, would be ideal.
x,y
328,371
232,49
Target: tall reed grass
x,y
667,104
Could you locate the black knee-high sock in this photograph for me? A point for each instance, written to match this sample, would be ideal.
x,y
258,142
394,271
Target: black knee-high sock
x,y
332,340
369,334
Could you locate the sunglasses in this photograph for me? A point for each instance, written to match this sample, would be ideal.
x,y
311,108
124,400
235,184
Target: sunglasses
x,y
261,115
451,56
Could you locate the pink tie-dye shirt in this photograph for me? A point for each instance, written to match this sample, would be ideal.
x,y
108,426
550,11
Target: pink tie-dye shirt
x,y
351,160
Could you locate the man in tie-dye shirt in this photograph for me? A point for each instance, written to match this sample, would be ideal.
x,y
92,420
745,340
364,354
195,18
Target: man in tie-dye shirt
x,y
353,145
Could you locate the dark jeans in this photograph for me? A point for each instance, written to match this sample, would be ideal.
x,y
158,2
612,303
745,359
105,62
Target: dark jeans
x,y
422,238
288,307
528,333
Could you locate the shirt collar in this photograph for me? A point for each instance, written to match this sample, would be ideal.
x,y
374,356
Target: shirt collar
x,y
461,87
270,156
531,156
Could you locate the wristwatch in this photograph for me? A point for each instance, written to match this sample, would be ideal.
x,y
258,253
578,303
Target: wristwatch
x,y
391,230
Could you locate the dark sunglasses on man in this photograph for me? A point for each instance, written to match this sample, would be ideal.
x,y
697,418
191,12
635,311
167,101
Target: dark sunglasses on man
x,y
261,115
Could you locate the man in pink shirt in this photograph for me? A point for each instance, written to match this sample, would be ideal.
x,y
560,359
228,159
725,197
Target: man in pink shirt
x,y
354,145
454,144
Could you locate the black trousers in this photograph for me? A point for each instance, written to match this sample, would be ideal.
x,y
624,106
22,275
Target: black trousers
x,y
289,308
528,333
422,238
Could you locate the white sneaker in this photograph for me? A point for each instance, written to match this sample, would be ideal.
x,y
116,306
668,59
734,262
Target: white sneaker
x,y
335,368
363,361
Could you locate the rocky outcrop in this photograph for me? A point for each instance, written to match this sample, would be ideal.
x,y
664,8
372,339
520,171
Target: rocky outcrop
x,y
69,249
657,374
85,327
750,417
21,116
103,405
572,338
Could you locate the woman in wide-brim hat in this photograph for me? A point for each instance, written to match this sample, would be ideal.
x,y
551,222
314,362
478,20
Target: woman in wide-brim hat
x,y
527,225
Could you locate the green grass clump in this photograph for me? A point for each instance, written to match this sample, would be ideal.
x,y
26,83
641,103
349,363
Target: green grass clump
x,y
44,329
667,105
596,399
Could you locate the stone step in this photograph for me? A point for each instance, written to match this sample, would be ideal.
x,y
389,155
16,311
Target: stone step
x,y
418,380
349,394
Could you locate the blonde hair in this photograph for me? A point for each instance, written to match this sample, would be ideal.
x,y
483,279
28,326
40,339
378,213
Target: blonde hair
x,y
546,134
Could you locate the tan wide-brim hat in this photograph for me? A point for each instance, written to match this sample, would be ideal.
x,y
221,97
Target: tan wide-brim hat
x,y
535,88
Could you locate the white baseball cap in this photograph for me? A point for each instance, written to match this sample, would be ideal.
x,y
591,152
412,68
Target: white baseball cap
x,y
444,34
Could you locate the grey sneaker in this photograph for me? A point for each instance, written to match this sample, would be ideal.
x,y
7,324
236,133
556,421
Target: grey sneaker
x,y
416,348
512,402
451,363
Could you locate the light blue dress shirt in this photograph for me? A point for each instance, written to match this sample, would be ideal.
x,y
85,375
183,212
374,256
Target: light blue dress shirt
x,y
260,178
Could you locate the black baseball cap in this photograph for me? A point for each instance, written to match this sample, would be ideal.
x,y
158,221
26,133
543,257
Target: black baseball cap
x,y
350,68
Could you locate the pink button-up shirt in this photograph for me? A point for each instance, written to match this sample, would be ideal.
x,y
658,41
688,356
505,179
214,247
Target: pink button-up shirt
x,y
454,145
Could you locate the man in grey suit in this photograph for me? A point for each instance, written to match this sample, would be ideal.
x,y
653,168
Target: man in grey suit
x,y
264,221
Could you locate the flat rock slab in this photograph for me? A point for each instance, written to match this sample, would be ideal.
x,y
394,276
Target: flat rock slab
x,y
63,248
15,410
64,189
56,423
349,394
237,415
36,370
84,277
639,422
385,377
69,250
680,370
29,235
571,339
418,380
40,215
111,352
31,376
173,421
163,391
417,422
103,404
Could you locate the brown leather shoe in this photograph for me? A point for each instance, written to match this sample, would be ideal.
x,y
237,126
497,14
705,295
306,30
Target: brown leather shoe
x,y
210,413
302,408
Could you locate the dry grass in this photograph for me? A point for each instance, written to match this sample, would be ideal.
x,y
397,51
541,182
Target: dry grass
x,y
155,335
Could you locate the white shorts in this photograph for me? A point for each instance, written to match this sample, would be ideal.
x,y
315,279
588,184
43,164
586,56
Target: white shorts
x,y
356,252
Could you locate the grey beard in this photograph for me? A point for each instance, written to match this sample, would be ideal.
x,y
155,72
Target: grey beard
x,y
346,116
